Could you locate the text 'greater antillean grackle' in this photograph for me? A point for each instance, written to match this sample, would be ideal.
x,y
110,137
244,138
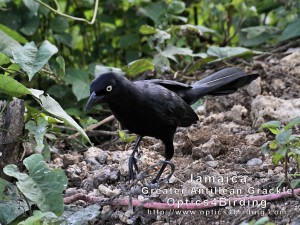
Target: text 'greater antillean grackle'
x,y
157,107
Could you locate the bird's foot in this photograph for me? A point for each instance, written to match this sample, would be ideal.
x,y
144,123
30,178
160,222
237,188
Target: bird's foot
x,y
164,165
132,166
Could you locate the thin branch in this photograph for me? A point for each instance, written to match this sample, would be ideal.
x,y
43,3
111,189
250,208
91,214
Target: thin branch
x,y
57,11
93,126
185,206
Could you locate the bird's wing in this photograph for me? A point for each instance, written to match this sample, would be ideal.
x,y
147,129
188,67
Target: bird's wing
x,y
170,84
169,107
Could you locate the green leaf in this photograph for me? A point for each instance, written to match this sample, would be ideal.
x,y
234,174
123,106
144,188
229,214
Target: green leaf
x,y
176,7
291,31
155,11
31,59
4,59
12,68
32,5
225,53
7,44
126,137
53,107
99,69
137,67
195,66
273,144
171,50
42,186
257,35
264,148
38,130
147,30
294,122
15,35
80,83
262,221
266,6
295,183
59,24
13,205
3,184
64,38
276,158
284,136
38,218
58,66
31,25
161,63
11,87
274,130
295,150
271,124
129,40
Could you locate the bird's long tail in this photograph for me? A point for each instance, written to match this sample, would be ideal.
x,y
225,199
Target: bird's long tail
x,y
223,82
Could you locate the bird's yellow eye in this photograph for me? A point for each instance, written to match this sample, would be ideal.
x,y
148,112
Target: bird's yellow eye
x,y
108,88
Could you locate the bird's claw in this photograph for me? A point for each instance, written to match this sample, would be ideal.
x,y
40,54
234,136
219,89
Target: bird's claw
x,y
164,164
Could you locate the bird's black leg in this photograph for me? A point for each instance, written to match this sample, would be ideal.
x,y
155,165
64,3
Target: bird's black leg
x,y
132,160
169,149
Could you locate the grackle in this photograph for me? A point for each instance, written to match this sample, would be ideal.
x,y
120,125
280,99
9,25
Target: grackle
x,y
157,107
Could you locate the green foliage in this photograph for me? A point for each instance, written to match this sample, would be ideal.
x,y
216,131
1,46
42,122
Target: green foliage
x,y
12,202
11,87
126,137
42,186
31,59
286,143
37,129
261,221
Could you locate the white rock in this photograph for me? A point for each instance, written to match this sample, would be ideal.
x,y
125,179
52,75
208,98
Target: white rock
x,y
274,108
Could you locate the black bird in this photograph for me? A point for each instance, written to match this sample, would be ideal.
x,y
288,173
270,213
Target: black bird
x,y
157,107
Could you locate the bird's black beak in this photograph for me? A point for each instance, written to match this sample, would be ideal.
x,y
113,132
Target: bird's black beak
x,y
93,100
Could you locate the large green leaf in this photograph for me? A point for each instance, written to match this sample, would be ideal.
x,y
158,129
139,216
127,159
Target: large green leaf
x,y
15,35
155,11
137,67
42,186
11,87
31,59
39,218
224,53
37,129
99,69
291,31
12,204
170,51
79,81
51,106
32,5
7,44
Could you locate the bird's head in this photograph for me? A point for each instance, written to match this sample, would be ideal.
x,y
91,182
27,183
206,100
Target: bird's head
x,y
104,87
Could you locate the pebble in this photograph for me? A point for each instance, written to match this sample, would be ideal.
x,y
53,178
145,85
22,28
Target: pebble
x,y
212,164
95,156
254,162
257,139
107,191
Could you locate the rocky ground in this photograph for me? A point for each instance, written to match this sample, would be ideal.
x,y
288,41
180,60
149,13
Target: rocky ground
x,y
224,145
